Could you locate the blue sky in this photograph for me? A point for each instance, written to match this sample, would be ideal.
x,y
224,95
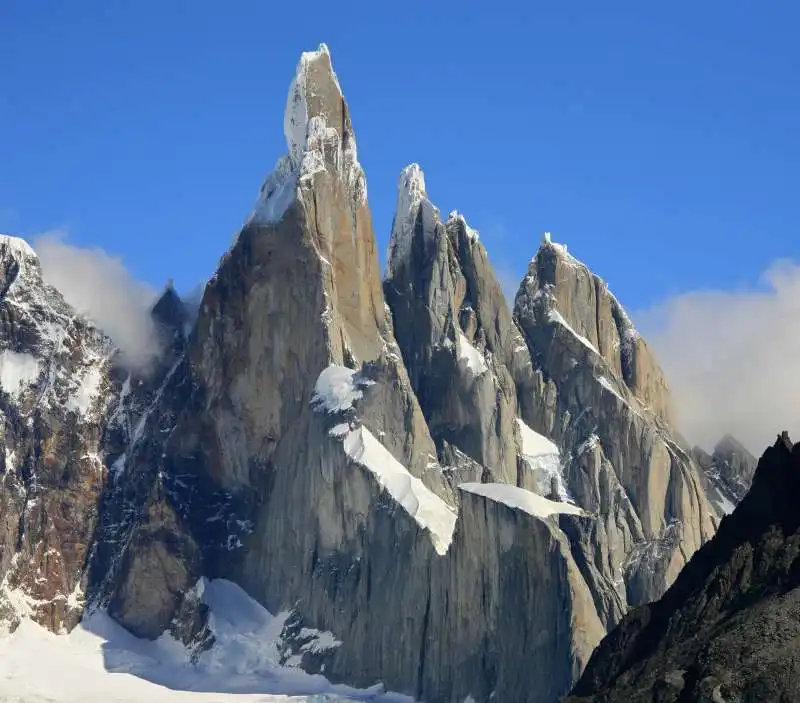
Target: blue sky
x,y
660,141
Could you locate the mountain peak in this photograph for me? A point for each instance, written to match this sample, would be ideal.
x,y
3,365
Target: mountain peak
x,y
17,246
412,201
17,260
319,137
169,309
548,243
314,93
412,182
457,218
729,444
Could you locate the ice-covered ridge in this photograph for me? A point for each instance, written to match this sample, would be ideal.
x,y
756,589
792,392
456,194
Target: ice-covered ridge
x,y
429,511
412,201
309,139
519,498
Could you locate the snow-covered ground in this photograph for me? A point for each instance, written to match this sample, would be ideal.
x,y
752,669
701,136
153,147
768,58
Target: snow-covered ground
x,y
100,662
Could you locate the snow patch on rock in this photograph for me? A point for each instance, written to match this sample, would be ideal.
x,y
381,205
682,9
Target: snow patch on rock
x,y
469,356
560,249
555,316
519,498
535,444
88,387
429,511
724,503
276,194
456,216
609,386
719,494
338,388
18,247
588,444
543,458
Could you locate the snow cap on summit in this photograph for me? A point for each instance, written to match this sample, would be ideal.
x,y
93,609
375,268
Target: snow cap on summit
x,y
17,247
548,243
17,250
456,216
319,137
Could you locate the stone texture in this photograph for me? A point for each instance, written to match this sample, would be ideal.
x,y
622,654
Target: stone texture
x,y
290,298
53,395
728,471
466,359
611,420
219,461
728,628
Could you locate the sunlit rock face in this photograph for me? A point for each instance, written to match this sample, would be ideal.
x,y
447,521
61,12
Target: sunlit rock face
x,y
463,496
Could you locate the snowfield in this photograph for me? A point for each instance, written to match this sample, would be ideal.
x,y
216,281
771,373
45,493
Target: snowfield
x,y
101,662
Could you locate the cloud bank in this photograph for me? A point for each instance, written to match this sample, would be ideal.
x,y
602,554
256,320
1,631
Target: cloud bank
x,y
732,359
99,286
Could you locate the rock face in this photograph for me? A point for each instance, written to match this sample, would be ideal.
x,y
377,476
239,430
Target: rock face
x,y
727,629
285,449
607,406
728,472
453,490
53,395
466,358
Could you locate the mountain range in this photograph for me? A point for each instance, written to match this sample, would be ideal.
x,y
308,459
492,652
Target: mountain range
x,y
444,492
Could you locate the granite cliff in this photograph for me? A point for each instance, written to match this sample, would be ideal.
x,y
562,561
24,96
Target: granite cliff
x,y
449,487
727,629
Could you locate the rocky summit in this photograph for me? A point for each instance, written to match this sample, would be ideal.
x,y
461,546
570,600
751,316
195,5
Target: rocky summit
x,y
442,492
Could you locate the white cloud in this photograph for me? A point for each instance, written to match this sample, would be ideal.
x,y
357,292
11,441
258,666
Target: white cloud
x,y
99,286
732,359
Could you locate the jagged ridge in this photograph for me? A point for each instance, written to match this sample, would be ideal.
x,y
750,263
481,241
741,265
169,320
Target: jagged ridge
x,y
406,465
727,628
